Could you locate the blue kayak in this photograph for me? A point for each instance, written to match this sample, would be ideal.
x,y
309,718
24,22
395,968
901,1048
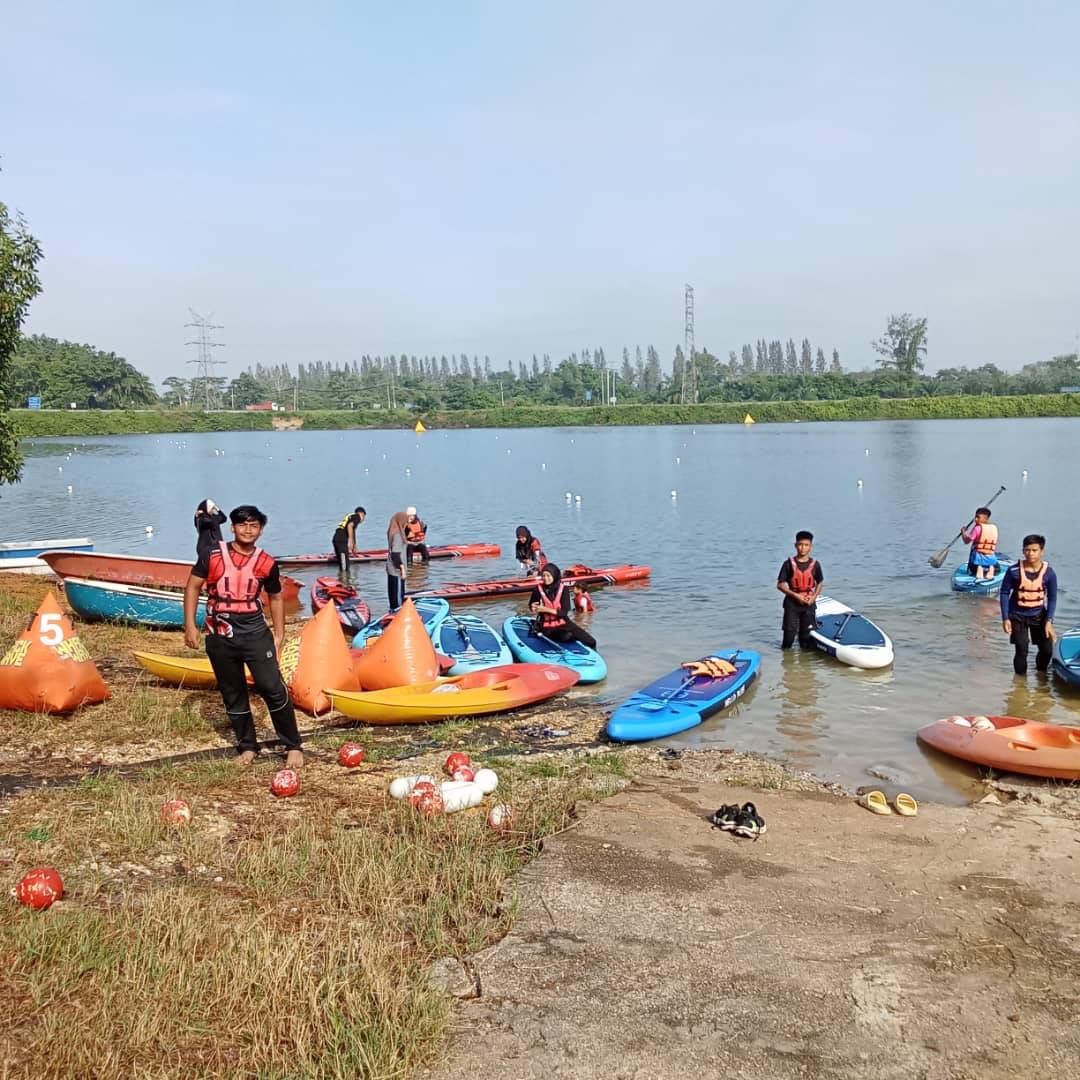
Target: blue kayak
x,y
962,581
1066,662
679,700
470,643
432,611
530,647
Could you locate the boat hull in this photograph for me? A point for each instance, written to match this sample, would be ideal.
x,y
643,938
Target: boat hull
x,y
1012,745
442,551
108,601
459,591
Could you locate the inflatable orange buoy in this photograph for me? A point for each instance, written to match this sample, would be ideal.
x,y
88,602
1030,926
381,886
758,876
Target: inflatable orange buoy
x,y
402,656
40,888
318,659
48,668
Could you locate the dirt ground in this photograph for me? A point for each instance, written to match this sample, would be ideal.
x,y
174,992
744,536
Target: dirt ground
x,y
840,944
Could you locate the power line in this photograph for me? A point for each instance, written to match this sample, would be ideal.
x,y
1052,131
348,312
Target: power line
x,y
689,395
206,364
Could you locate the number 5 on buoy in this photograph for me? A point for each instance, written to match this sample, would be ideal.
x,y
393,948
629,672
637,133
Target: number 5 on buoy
x,y
51,630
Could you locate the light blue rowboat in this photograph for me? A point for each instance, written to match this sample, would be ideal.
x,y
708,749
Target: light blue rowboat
x,y
114,601
471,644
31,549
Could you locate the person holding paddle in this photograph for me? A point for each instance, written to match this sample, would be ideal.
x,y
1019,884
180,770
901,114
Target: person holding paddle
x,y
800,580
1028,602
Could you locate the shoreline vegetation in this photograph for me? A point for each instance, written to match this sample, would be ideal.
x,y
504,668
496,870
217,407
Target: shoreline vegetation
x,y
56,422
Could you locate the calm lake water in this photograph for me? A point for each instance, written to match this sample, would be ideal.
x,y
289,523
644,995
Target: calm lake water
x,y
715,547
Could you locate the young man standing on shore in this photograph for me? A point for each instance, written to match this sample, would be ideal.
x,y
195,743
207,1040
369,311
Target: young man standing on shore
x,y
237,635
1028,603
800,580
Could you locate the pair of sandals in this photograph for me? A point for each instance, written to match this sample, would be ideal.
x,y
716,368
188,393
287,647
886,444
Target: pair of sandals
x,y
877,803
741,820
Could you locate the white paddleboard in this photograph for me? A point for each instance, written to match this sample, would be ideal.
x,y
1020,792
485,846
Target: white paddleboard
x,y
852,638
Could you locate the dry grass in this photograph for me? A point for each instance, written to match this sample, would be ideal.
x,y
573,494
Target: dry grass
x,y
270,938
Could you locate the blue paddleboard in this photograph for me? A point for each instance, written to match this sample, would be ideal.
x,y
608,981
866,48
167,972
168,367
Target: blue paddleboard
x,y
962,581
470,643
530,647
679,700
1066,662
431,610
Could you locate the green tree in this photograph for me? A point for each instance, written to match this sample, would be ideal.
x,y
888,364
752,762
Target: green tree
x,y
819,362
902,346
20,254
834,367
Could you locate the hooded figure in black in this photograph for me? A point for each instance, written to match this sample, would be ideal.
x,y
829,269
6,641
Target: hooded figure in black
x,y
550,600
208,522
528,551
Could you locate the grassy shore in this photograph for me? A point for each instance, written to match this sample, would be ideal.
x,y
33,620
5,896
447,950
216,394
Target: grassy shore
x,y
31,423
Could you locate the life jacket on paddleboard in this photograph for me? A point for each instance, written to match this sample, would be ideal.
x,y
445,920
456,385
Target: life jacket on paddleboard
x,y
802,578
545,621
1031,592
415,532
233,588
988,538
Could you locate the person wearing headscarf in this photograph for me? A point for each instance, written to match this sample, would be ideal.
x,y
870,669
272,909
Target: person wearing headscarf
x,y
550,601
396,559
528,551
208,522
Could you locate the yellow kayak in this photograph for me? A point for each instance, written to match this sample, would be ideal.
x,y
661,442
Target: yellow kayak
x,y
191,672
495,689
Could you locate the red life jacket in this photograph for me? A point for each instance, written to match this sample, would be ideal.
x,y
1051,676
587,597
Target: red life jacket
x,y
802,581
583,602
234,589
1031,593
546,619
415,532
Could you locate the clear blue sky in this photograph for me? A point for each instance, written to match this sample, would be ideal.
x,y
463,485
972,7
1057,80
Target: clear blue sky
x,y
332,179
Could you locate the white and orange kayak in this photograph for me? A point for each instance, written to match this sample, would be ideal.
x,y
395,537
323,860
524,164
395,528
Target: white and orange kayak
x,y
1009,744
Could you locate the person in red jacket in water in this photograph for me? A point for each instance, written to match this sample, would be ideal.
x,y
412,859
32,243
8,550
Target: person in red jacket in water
x,y
237,635
800,580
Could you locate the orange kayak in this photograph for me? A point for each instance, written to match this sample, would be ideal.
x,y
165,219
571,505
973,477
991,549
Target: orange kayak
x,y
1009,744
494,689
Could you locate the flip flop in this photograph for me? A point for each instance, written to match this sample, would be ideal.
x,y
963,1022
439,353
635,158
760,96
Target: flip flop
x,y
905,805
875,802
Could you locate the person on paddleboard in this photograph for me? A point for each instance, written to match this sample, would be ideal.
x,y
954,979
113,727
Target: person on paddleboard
x,y
983,538
1028,603
550,601
237,635
396,559
528,551
344,541
415,536
208,522
800,580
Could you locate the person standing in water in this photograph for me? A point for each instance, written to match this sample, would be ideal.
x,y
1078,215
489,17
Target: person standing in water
x,y
800,580
983,538
550,601
344,541
528,551
396,559
1028,603
237,635
208,522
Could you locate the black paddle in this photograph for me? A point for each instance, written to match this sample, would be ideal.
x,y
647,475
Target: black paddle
x,y
937,560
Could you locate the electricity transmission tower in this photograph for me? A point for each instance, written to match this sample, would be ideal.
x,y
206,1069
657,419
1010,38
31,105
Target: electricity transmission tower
x,y
689,394
204,326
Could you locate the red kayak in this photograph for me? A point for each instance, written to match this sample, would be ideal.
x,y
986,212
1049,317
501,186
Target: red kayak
x,y
572,575
138,570
353,612
447,551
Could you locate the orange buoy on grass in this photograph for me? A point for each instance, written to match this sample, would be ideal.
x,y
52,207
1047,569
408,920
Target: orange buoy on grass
x,y
401,656
318,659
48,669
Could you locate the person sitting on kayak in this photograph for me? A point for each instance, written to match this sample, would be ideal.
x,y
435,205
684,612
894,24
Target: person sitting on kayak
x,y
529,552
237,635
208,522
800,580
415,535
344,541
583,602
1028,602
551,603
983,538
